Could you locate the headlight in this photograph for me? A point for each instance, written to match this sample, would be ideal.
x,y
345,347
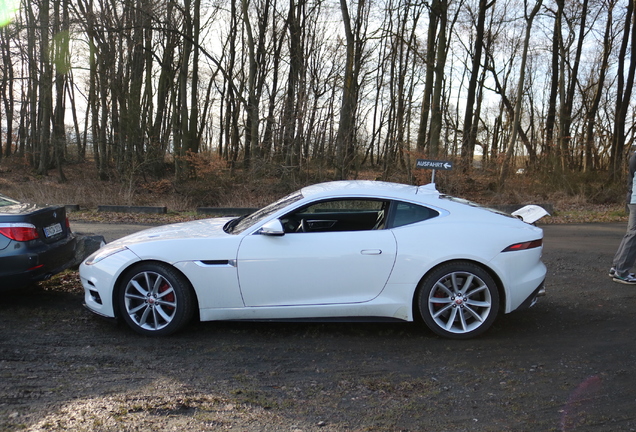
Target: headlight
x,y
103,253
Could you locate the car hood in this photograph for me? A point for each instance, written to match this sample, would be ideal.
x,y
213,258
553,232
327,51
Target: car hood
x,y
205,228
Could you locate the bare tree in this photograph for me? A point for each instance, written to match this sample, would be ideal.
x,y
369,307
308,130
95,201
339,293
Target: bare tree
x,y
624,88
355,41
520,89
554,82
440,62
7,86
61,63
568,91
599,85
277,87
469,132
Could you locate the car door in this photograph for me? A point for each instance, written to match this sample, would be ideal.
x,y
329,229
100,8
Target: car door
x,y
322,265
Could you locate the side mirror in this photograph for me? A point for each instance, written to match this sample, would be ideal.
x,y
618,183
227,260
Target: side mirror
x,y
272,228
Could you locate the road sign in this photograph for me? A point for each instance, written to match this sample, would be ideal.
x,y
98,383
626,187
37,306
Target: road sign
x,y
434,164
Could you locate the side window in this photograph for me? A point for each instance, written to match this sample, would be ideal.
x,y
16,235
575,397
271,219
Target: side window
x,y
407,213
337,215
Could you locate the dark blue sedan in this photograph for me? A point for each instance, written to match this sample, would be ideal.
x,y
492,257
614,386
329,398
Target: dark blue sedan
x,y
36,242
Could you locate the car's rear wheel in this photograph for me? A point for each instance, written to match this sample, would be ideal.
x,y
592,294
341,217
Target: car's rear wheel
x,y
458,300
155,299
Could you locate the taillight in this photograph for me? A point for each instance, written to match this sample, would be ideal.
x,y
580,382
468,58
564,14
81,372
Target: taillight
x,y
19,231
68,225
523,246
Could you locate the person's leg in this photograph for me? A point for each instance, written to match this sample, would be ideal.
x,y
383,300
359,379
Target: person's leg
x,y
626,253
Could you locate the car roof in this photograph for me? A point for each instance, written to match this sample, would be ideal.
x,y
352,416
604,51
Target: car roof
x,y
368,188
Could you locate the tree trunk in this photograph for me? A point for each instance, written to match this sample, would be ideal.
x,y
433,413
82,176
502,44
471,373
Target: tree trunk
x,y
519,99
7,90
469,135
440,63
624,90
46,86
345,139
434,17
569,93
554,84
590,116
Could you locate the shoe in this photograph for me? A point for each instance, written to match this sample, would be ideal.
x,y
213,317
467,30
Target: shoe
x,y
612,272
630,279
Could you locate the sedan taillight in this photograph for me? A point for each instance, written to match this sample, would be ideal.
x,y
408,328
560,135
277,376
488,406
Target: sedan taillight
x,y
19,231
525,245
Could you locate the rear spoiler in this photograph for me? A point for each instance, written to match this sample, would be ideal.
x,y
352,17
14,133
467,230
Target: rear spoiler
x,y
530,213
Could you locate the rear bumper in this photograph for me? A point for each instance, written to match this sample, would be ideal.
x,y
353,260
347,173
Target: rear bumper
x,y
533,298
25,265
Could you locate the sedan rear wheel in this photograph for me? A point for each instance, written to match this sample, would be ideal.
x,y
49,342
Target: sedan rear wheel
x,y
155,299
459,300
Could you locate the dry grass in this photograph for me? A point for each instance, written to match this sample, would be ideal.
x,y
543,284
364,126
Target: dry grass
x,y
575,198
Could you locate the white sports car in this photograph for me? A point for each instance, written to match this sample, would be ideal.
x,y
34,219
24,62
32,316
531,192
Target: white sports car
x,y
347,250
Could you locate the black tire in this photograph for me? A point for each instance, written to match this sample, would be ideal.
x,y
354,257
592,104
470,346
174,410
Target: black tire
x,y
155,300
458,300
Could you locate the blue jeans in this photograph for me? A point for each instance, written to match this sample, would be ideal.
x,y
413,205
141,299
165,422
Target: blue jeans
x,y
626,254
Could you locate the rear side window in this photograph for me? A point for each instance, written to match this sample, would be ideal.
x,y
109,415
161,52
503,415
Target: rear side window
x,y
408,213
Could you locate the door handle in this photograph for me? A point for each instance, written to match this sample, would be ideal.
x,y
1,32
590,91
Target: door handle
x,y
371,251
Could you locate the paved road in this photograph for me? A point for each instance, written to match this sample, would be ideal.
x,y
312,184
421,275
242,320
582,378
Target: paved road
x,y
602,238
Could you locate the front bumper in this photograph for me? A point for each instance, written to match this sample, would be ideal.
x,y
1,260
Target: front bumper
x,y
99,281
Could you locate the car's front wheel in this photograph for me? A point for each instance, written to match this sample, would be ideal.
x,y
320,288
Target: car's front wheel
x,y
458,300
155,300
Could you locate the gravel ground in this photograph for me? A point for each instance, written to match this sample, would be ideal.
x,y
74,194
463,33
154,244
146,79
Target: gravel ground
x,y
564,365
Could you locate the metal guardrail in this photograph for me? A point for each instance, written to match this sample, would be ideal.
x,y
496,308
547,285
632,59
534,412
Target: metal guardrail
x,y
226,211
214,211
132,209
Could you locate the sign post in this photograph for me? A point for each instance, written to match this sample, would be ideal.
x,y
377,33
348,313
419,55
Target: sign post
x,y
434,165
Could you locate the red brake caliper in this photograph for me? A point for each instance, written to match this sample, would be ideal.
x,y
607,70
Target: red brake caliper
x,y
438,294
169,297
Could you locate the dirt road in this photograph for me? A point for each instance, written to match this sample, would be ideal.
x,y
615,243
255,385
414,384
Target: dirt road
x,y
564,365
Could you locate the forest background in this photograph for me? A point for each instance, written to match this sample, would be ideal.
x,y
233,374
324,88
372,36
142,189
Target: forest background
x,y
237,102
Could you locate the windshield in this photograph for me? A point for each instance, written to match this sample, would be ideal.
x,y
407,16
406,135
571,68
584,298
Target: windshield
x,y
239,225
